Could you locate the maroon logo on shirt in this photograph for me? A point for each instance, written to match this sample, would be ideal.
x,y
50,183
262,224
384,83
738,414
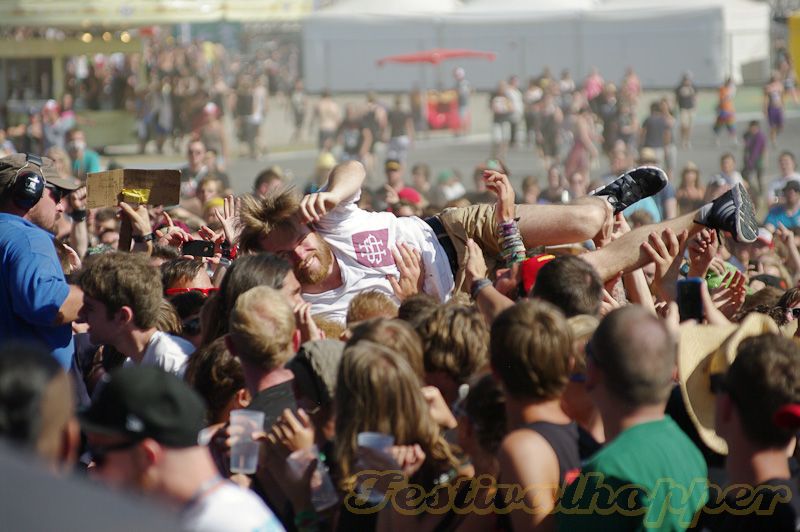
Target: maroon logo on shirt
x,y
372,248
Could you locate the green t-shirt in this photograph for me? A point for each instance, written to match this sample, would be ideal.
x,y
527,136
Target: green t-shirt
x,y
650,477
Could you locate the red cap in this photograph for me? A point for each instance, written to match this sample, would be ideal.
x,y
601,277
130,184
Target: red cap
x,y
530,269
788,416
410,195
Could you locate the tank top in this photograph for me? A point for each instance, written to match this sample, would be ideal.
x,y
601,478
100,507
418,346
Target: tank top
x,y
563,439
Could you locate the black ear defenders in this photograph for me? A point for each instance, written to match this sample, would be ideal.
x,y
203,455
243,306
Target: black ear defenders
x,y
28,184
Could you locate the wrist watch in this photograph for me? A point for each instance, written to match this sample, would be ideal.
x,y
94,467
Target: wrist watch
x,y
139,239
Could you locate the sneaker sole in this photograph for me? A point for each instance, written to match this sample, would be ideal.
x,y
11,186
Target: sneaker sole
x,y
746,222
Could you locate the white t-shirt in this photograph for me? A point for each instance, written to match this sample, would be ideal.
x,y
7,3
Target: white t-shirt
x,y
230,508
362,244
168,352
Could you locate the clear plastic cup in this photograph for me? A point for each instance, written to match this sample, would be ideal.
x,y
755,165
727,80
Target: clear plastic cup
x,y
323,492
244,451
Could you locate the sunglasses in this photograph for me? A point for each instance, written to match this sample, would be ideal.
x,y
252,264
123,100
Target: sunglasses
x,y
191,327
57,193
176,291
100,454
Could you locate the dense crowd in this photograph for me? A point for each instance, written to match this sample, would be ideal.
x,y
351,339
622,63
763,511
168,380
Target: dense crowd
x,y
617,354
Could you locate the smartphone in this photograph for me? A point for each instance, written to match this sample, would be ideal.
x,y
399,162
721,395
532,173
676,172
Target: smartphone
x,y
690,304
198,248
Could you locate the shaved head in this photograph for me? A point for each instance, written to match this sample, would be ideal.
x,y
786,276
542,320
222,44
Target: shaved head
x,y
636,355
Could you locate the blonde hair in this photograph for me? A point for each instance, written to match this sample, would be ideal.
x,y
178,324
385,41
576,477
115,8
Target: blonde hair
x,y
368,305
395,334
379,392
455,339
259,217
262,328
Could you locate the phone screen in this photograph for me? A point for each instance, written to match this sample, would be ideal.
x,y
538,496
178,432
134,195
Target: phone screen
x,y
690,304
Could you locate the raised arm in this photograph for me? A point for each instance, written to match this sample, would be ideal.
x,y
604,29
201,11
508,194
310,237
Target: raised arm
x,y
344,181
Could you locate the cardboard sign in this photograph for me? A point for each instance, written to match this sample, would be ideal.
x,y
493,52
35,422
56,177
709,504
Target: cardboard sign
x,y
146,187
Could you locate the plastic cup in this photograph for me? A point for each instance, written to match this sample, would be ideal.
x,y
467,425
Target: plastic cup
x,y
323,492
244,451
376,441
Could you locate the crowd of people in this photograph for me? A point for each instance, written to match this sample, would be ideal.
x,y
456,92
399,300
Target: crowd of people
x,y
610,354
501,364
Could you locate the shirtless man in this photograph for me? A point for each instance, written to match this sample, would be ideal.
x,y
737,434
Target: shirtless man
x,y
328,114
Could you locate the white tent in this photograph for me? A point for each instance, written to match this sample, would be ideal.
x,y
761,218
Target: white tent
x,y
659,38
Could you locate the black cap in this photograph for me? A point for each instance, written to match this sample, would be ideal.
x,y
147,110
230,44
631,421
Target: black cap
x,y
792,185
146,402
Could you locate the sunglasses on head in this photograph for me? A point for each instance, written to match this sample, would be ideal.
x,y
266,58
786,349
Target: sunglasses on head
x,y
99,453
176,291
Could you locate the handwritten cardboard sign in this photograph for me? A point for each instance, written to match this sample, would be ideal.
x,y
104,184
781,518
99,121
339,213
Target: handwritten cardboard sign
x,y
147,187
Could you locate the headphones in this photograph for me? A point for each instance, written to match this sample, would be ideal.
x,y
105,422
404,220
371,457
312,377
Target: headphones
x,y
27,187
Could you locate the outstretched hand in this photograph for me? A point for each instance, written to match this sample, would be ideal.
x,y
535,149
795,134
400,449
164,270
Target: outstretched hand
x,y
666,251
412,276
501,186
171,235
702,252
474,263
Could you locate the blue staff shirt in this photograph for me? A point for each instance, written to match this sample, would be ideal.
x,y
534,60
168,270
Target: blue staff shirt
x,y
33,288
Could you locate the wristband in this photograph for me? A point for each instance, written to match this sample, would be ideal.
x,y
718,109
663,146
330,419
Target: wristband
x,y
477,286
228,251
149,237
79,215
512,248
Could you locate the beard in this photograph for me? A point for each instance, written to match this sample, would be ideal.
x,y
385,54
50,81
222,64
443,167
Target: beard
x,y
310,272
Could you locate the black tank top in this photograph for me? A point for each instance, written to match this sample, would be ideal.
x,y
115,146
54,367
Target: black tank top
x,y
564,441
563,438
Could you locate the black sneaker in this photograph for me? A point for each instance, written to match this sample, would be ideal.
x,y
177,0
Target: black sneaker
x,y
632,186
732,212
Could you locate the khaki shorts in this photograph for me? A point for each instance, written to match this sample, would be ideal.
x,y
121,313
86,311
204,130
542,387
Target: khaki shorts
x,y
476,222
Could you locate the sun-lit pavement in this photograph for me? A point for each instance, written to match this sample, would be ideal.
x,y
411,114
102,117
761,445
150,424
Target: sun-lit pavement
x,y
442,151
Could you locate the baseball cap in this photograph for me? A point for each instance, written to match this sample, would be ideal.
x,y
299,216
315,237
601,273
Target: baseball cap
x,y
530,269
146,402
49,172
792,185
410,195
392,164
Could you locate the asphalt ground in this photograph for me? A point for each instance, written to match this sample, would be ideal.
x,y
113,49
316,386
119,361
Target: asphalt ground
x,y
441,150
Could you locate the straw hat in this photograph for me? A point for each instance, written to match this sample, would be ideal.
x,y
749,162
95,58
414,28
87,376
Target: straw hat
x,y
705,350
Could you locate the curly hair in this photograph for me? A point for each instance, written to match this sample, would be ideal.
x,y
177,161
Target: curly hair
x,y
216,375
259,217
455,340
